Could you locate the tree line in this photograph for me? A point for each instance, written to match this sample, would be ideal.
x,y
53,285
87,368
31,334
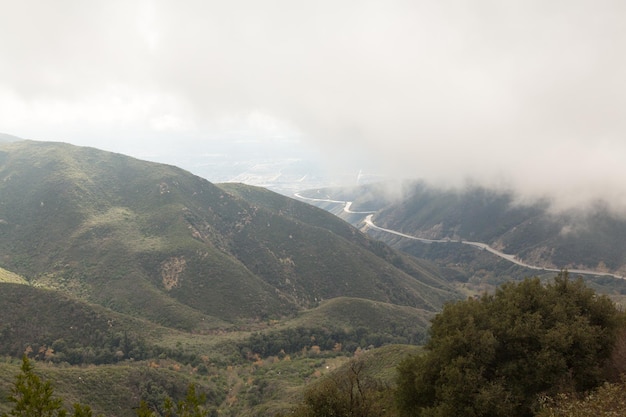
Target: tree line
x,y
528,350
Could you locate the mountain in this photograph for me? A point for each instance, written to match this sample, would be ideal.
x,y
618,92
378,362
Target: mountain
x,y
56,327
585,238
159,243
4,137
162,278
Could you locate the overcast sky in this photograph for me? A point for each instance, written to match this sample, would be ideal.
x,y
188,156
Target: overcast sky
x,y
530,94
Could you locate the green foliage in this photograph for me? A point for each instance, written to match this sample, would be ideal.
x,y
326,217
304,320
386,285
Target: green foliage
x,y
82,411
495,355
191,406
608,400
159,243
348,393
33,397
332,338
56,328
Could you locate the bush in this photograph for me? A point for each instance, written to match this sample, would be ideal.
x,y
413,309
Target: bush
x,y
493,356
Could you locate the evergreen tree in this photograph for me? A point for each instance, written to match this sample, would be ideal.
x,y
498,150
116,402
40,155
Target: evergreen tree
x,y
191,406
33,397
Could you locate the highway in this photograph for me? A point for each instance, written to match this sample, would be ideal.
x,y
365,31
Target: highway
x,y
483,246
511,258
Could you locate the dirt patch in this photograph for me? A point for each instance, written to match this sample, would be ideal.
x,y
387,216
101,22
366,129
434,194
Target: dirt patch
x,y
171,272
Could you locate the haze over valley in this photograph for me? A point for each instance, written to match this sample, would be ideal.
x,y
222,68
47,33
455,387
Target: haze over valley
x,y
287,208
523,95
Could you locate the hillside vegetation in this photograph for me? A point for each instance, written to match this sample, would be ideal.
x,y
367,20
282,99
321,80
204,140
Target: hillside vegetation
x,y
156,242
584,238
134,279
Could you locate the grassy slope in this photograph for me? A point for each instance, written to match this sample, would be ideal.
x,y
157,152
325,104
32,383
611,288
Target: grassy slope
x,y
354,313
114,389
236,387
10,277
80,332
157,242
101,228
370,270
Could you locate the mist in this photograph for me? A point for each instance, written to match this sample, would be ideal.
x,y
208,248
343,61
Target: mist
x,y
523,95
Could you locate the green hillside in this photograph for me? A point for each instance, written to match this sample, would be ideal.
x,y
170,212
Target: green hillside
x,y
587,237
584,238
126,280
373,319
321,257
120,360
157,242
55,327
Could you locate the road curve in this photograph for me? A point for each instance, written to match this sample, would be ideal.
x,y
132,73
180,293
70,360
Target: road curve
x,y
511,258
346,207
483,246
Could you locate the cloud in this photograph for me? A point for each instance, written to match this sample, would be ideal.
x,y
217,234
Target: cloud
x,y
526,94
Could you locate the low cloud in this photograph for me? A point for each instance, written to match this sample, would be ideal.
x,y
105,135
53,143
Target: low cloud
x,y
522,94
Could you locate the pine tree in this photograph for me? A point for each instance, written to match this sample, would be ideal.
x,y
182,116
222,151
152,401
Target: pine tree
x,y
33,397
191,406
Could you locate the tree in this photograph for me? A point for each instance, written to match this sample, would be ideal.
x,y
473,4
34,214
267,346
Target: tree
x,y
349,392
33,397
609,400
191,406
494,355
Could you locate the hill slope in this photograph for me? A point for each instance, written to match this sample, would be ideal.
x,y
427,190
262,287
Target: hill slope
x,y
584,238
157,242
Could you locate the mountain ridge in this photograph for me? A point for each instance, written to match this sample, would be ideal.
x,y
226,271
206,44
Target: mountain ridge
x,y
155,241
480,237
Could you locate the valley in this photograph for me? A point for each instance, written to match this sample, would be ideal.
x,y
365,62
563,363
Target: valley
x,y
437,234
369,223
145,277
137,279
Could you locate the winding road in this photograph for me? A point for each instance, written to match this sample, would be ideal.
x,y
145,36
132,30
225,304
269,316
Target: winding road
x,y
483,246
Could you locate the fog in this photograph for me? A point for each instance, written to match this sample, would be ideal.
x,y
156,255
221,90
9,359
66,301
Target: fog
x,y
528,95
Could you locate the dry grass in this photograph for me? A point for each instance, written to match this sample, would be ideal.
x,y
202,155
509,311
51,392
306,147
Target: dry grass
x,y
10,277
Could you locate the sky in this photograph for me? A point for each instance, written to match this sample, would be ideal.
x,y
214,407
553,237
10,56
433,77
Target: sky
x,y
521,94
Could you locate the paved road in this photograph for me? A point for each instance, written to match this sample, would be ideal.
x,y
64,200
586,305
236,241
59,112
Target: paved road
x,y
483,246
346,207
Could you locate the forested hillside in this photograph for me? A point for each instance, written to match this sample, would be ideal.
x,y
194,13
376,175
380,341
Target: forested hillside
x,y
157,242
159,278
534,232
582,238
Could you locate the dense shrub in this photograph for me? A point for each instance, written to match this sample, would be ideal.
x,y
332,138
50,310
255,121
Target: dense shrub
x,y
495,355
